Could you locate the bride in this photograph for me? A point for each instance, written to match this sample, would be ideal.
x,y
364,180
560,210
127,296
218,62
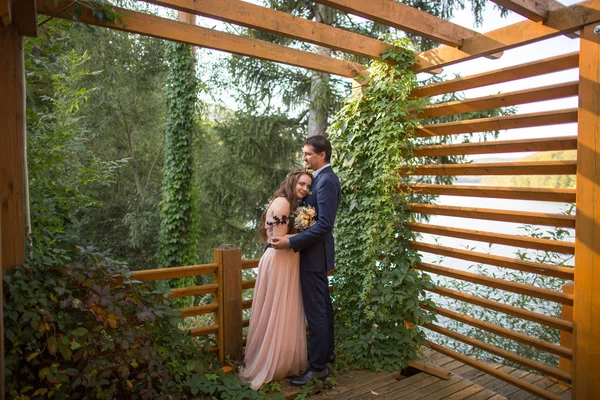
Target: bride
x,y
276,342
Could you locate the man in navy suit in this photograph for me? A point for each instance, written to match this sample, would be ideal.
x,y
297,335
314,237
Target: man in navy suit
x,y
316,249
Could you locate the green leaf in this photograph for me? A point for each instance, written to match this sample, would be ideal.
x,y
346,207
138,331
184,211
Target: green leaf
x,y
81,331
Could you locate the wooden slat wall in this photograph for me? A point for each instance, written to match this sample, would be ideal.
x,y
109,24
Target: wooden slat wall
x,y
480,233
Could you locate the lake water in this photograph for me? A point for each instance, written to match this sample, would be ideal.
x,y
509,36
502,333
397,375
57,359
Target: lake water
x,y
488,226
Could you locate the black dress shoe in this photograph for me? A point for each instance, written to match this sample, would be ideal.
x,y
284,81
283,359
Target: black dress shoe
x,y
309,376
331,358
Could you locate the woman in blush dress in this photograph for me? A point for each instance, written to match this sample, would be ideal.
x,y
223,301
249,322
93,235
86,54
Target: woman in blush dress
x,y
276,342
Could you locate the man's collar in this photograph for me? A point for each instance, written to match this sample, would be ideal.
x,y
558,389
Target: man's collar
x,y
317,172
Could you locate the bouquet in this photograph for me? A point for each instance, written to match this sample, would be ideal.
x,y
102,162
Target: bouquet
x,y
304,217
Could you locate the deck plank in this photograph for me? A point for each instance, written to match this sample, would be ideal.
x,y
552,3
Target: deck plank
x,y
484,395
509,389
466,392
402,386
348,390
361,392
447,391
340,390
426,390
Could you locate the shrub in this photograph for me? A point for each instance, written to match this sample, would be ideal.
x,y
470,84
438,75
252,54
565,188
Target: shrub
x,y
88,331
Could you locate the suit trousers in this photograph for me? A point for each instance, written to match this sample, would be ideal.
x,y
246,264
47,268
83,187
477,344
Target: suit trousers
x,y
319,315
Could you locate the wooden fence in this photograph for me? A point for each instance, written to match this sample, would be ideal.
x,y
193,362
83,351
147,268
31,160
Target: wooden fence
x,y
563,167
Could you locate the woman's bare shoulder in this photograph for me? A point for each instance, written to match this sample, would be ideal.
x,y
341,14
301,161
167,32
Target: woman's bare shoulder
x,y
280,206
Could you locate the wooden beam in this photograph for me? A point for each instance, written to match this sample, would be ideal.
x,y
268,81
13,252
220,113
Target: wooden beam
x,y
2,383
174,272
406,18
535,10
430,369
193,291
24,17
556,246
557,323
280,23
504,332
498,192
563,167
555,117
521,71
206,330
586,311
498,261
551,92
12,147
519,217
231,301
250,264
498,146
5,12
163,28
197,310
564,20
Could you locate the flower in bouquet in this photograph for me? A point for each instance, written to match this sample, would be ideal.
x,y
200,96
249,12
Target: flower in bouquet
x,y
305,216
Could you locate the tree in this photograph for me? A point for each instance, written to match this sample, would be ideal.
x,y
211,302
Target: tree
x,y
65,174
125,120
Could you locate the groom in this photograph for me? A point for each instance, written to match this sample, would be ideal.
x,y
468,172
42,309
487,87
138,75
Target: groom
x,y
316,257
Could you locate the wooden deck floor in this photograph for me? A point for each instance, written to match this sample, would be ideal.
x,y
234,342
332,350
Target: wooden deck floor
x,y
466,383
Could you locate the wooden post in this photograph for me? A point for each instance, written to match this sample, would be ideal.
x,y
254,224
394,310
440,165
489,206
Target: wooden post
x,y
229,295
586,304
12,145
2,387
566,338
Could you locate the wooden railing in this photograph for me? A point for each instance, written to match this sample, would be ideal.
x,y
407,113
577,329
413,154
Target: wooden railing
x,y
227,300
569,167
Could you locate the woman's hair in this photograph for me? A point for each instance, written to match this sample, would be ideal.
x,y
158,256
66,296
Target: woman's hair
x,y
286,189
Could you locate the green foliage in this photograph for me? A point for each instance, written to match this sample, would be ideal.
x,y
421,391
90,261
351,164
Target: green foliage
x,y
87,330
63,171
178,238
378,292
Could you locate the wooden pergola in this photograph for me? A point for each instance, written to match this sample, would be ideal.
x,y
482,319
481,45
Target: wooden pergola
x,y
544,19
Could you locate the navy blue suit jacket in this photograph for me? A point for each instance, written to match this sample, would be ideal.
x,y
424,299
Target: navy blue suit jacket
x,y
316,243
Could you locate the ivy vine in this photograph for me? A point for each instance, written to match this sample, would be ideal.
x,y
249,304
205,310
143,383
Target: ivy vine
x,y
178,237
378,293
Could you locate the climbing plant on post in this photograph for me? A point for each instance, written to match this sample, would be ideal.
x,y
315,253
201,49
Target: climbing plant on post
x,y
378,292
178,237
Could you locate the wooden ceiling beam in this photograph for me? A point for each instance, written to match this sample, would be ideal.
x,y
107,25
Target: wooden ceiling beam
x,y
561,21
24,16
280,23
535,10
162,28
406,18
5,12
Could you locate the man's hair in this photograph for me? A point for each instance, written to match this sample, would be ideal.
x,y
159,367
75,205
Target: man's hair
x,y
320,143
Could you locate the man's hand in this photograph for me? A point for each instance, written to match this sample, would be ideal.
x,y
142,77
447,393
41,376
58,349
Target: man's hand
x,y
280,243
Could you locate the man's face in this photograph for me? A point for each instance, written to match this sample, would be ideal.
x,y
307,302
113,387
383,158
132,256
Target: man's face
x,y
312,160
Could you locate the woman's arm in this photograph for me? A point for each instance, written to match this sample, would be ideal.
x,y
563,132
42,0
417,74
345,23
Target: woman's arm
x,y
280,208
